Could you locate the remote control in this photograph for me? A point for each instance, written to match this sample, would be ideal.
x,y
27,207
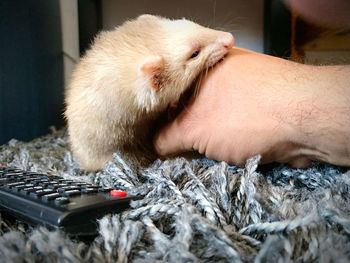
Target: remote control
x,y
58,203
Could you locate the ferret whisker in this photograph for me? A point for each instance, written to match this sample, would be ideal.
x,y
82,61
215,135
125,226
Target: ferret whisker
x,y
226,23
196,89
214,13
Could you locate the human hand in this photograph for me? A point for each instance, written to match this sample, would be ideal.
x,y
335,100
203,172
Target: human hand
x,y
251,104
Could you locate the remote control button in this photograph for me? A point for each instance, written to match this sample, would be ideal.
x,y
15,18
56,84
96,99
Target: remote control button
x,y
118,193
67,188
13,170
52,186
61,200
36,174
89,190
14,174
39,193
44,179
48,191
36,193
10,185
28,189
53,182
61,179
68,181
82,184
35,181
28,180
3,181
49,197
90,186
19,187
71,193
105,189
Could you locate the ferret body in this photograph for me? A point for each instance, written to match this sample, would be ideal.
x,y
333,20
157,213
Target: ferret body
x,y
128,77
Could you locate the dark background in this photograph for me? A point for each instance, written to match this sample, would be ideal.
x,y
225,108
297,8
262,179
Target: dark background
x,y
31,68
31,64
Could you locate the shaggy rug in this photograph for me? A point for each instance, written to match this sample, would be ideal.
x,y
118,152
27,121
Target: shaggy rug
x,y
193,211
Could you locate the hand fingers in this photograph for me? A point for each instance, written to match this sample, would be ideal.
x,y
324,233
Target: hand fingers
x,y
300,162
173,138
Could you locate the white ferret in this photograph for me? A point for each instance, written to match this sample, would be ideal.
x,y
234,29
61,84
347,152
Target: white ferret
x,y
128,77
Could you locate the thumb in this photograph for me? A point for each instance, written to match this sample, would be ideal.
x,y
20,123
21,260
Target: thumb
x,y
174,138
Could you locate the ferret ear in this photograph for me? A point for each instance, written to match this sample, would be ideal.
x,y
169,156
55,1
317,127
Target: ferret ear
x,y
152,68
145,16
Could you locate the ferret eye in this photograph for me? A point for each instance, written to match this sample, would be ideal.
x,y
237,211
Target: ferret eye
x,y
195,54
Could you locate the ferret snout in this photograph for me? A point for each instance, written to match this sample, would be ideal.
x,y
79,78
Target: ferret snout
x,y
227,40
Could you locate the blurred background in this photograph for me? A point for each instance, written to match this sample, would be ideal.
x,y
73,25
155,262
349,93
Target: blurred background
x,y
42,40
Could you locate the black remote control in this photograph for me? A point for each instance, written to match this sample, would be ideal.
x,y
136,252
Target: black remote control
x,y
58,203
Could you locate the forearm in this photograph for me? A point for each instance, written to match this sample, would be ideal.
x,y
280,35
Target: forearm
x,y
308,107
319,113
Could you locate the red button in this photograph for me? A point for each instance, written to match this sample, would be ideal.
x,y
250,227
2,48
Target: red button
x,y
118,193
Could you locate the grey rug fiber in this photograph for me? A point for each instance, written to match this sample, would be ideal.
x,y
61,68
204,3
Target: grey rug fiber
x,y
193,211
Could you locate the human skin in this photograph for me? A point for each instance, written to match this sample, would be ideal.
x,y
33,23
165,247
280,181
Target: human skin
x,y
253,103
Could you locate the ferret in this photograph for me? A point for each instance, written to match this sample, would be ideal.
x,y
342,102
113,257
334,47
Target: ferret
x,y
129,77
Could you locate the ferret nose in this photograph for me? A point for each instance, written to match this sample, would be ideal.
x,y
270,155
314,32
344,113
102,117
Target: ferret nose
x,y
227,40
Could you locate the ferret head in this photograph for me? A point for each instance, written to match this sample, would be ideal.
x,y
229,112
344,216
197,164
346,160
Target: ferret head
x,y
159,58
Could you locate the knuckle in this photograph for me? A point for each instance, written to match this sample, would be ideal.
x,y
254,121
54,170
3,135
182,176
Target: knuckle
x,y
159,146
188,135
